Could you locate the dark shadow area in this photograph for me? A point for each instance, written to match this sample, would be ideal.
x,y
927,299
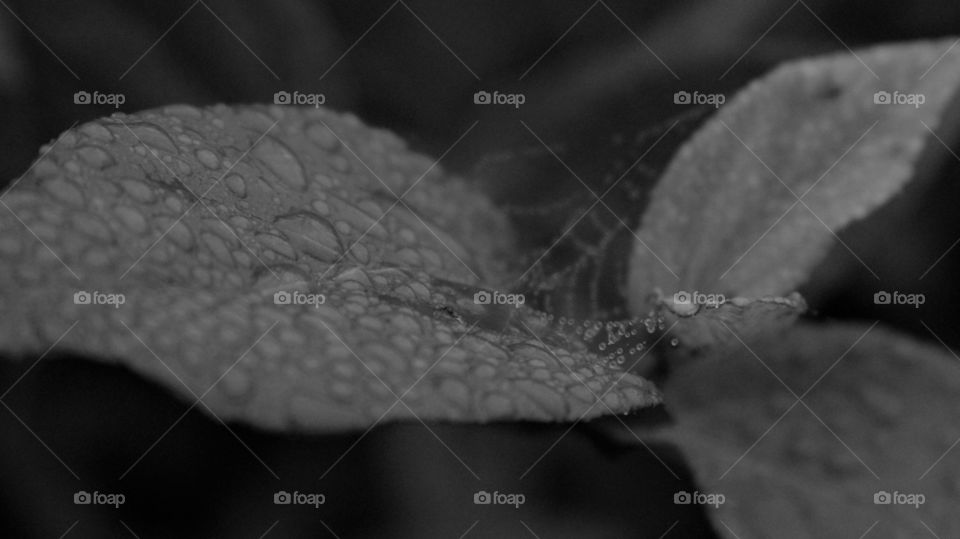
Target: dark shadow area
x,y
183,474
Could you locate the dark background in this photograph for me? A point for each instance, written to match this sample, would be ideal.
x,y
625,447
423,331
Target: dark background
x,y
414,69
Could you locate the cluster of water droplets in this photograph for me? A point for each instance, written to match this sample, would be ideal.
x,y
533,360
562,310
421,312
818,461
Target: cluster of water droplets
x,y
619,344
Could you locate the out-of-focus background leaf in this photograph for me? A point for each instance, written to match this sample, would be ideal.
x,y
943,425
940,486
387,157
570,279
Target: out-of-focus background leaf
x,y
595,78
801,429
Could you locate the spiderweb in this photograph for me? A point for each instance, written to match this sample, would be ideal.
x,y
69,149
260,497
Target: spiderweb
x,y
576,206
578,228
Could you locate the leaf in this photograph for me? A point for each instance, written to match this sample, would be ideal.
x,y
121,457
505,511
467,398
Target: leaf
x,y
878,414
707,328
753,201
196,219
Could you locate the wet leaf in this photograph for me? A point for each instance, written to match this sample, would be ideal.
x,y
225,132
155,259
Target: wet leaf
x,y
257,258
877,415
703,328
753,201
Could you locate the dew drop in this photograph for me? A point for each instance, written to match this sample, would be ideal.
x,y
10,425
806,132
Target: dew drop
x,y
277,244
179,233
153,136
240,222
92,226
97,131
311,234
282,162
138,191
242,259
321,207
360,253
343,227
131,218
208,159
65,191
217,246
351,214
324,180
236,185
95,156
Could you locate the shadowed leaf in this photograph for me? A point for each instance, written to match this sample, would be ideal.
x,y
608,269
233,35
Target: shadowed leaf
x,y
878,415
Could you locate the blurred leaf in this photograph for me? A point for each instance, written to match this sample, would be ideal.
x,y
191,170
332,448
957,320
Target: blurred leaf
x,y
200,217
753,201
877,413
